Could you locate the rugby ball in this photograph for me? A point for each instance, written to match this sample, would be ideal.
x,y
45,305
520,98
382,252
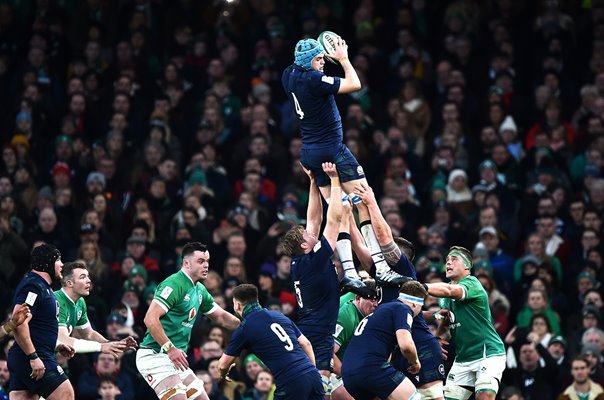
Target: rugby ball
x,y
328,41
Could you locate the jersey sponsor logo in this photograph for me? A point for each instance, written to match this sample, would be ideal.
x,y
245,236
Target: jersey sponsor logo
x,y
31,298
166,292
328,79
339,329
79,314
60,370
360,171
441,369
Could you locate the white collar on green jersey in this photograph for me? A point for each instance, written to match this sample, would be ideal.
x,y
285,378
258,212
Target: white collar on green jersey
x,y
187,275
66,295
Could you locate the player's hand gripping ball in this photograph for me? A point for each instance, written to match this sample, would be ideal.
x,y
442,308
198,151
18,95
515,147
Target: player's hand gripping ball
x,y
328,40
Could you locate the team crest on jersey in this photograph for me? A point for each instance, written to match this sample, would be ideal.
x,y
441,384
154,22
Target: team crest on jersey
x,y
360,171
441,369
166,292
192,314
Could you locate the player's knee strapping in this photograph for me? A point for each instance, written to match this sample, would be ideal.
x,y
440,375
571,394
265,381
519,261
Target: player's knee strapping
x,y
326,381
194,389
487,384
173,391
454,392
433,392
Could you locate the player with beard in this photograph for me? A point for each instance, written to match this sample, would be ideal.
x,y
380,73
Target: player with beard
x,y
33,367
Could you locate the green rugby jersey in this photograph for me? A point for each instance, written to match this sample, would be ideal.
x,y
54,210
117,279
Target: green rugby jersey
x,y
472,327
71,314
349,317
181,299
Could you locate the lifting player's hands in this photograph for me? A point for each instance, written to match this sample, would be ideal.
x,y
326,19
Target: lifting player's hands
x,y
65,350
178,358
365,192
341,49
226,376
37,369
20,315
114,348
307,171
414,367
330,169
130,343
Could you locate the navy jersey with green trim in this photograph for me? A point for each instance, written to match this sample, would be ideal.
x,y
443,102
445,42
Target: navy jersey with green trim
x,y
317,290
274,339
420,330
44,323
312,93
375,337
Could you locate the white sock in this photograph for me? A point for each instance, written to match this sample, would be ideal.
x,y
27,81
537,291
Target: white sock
x,y
381,266
344,248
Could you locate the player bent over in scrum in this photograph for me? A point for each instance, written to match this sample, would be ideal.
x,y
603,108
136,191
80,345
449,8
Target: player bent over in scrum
x,y
372,343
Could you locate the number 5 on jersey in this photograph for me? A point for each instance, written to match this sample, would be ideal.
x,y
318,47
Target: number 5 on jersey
x,y
297,106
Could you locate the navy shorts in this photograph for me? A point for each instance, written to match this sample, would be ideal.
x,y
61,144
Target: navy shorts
x,y
349,168
370,381
430,356
20,371
306,386
322,346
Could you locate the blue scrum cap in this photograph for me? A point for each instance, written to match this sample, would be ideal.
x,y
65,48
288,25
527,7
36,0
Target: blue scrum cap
x,y
306,50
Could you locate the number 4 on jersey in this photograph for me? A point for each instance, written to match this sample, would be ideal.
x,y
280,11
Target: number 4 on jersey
x,y
297,107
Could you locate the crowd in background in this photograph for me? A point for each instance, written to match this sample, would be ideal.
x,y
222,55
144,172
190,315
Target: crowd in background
x,y
131,127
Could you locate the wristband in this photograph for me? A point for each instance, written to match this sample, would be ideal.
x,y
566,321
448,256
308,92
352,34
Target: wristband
x,y
167,346
343,59
32,356
86,346
4,331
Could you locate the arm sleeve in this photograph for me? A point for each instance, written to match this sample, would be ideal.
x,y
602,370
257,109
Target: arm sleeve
x,y
344,329
405,267
322,85
403,318
207,302
472,288
29,292
321,254
236,344
167,294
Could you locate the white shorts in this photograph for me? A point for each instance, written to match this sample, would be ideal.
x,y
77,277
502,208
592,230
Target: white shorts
x,y
155,367
336,382
478,374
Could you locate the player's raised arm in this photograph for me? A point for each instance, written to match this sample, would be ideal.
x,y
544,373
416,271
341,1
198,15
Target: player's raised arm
x,y
314,210
334,211
224,318
351,82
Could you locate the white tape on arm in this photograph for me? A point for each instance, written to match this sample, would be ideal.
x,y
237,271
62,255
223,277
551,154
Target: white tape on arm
x,y
86,346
